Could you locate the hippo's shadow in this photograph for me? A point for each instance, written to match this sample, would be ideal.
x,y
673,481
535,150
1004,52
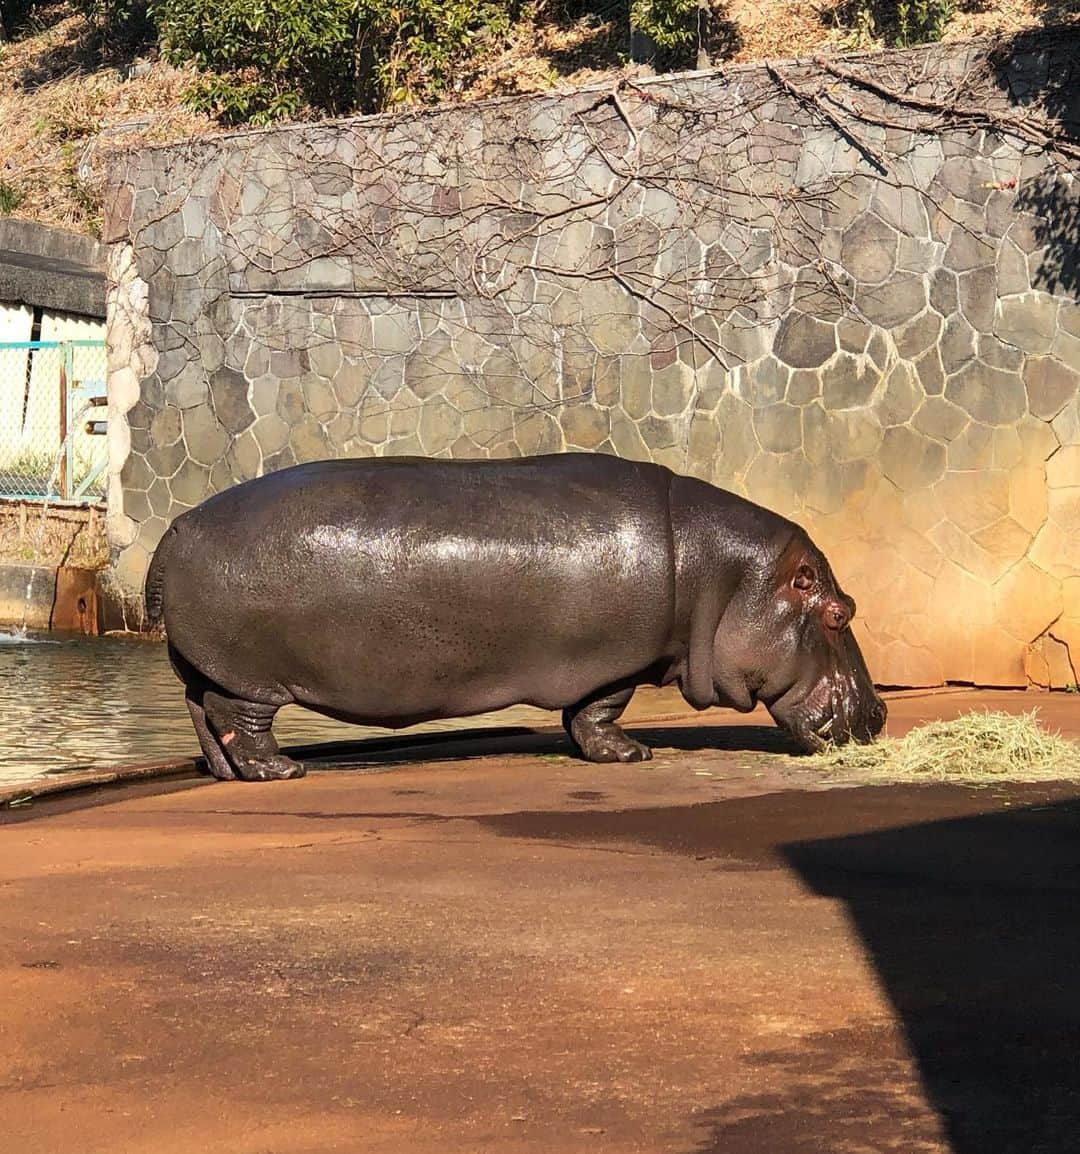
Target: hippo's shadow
x,y
510,741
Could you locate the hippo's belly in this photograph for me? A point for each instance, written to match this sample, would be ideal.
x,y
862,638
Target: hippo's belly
x,y
394,592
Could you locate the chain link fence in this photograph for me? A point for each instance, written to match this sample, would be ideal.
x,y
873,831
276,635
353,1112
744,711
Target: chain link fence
x,y
52,421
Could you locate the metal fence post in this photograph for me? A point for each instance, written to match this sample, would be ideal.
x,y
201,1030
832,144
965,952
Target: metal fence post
x,y
65,448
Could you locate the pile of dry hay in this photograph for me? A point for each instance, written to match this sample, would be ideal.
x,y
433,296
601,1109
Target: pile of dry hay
x,y
976,747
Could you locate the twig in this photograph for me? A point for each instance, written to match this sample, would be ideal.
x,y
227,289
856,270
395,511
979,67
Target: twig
x,y
809,100
1028,127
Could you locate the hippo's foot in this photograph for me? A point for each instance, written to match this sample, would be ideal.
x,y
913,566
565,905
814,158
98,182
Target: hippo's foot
x,y
592,728
609,743
277,767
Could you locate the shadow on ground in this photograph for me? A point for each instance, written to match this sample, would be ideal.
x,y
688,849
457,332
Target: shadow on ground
x,y
507,741
972,927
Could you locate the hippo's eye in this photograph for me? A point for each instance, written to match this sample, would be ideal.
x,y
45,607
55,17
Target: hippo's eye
x,y
805,577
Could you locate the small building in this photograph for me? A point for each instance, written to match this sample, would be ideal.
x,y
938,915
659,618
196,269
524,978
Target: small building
x,y
52,333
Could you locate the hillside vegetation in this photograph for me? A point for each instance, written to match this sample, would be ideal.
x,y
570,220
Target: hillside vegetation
x,y
80,77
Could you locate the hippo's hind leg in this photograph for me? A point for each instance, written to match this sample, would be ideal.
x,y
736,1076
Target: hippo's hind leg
x,y
195,686
235,735
243,729
211,747
591,725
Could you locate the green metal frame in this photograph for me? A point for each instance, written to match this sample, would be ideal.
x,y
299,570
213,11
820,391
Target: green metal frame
x,y
77,395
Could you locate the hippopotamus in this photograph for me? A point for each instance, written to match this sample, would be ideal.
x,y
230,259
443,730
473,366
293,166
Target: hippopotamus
x,y
398,590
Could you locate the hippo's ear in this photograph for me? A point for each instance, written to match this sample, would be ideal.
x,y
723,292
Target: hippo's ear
x,y
805,577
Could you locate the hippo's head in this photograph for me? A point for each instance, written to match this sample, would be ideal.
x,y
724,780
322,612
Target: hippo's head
x,y
795,652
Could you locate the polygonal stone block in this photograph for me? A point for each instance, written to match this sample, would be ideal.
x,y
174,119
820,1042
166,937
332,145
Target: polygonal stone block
x,y
973,500
977,298
166,427
957,344
319,397
854,434
637,386
997,354
671,389
1006,539
440,425
767,381
244,459
191,484
967,249
307,440
989,395
848,382
778,427
585,426
1028,321
1050,386
229,390
918,335
902,396
206,440
891,304
1012,270
973,448
944,291
804,386
1027,600
869,248
1063,468
910,460
803,342
165,460
325,359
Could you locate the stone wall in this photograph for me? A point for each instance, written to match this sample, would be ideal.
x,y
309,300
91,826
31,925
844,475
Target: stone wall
x,y
847,290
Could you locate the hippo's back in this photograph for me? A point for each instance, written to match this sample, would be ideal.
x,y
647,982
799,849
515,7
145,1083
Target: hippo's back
x,y
394,589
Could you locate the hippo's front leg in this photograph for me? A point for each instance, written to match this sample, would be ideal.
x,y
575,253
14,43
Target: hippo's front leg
x,y
592,728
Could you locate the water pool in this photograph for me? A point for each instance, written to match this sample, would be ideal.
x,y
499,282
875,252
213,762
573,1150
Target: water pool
x,y
79,702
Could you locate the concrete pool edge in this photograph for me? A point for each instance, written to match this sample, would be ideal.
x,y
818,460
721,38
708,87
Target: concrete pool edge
x,y
23,793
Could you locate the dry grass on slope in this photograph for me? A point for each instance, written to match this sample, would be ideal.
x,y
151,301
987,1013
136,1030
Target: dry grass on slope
x,y
62,102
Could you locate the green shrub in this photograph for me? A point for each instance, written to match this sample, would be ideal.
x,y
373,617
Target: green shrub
x,y
10,198
669,24
919,21
269,57
904,22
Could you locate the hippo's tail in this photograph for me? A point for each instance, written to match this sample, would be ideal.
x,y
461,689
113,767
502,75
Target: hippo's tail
x,y
154,589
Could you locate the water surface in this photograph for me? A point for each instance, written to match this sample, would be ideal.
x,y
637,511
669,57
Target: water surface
x,y
68,703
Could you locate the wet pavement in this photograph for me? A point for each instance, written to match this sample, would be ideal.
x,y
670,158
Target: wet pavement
x,y
504,949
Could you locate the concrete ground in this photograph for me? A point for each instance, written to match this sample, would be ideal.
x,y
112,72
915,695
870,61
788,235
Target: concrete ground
x,y
503,949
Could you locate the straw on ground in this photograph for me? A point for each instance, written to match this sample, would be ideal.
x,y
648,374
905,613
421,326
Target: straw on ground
x,y
976,747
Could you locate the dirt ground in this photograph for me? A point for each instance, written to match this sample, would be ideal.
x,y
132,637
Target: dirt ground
x,y
522,953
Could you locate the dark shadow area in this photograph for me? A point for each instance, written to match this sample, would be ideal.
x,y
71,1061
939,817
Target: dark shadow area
x,y
972,927
507,741
1040,71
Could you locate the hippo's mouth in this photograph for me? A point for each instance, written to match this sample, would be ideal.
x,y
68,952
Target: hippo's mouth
x,y
832,713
